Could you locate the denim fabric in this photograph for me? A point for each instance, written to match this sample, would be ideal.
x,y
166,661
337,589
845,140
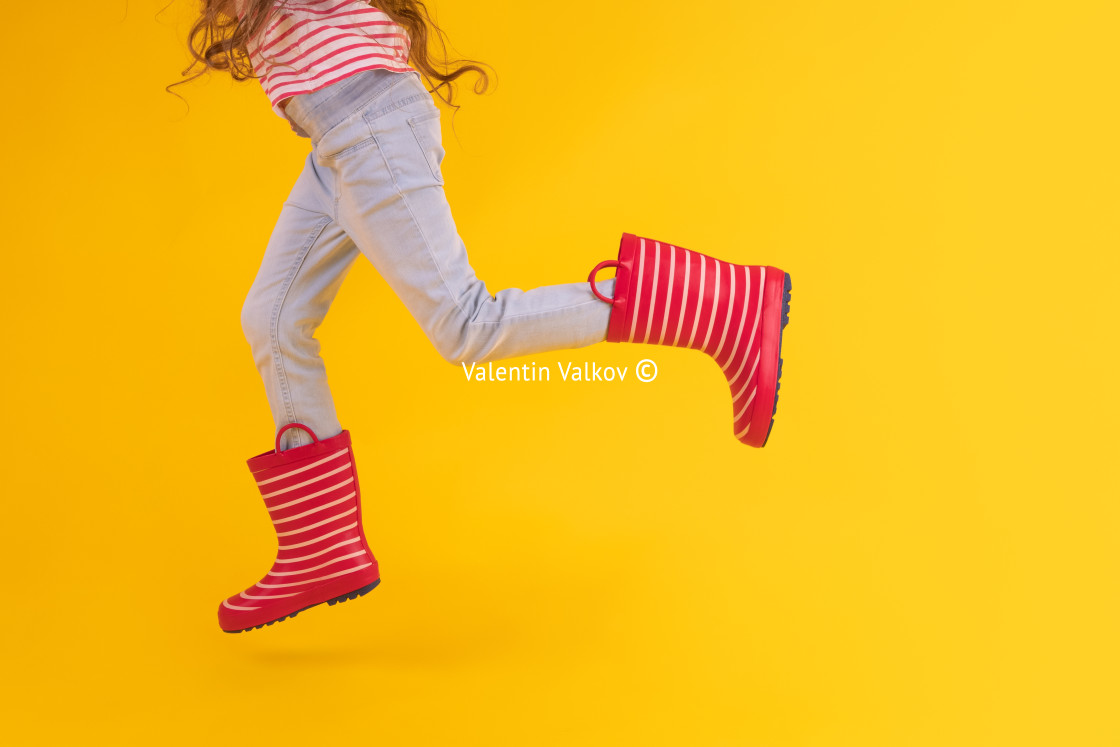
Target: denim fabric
x,y
372,185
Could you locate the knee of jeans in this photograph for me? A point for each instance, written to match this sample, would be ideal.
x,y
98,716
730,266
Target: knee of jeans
x,y
293,327
456,346
254,321
462,341
458,337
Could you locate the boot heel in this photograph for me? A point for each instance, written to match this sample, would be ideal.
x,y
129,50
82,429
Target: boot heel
x,y
785,320
354,594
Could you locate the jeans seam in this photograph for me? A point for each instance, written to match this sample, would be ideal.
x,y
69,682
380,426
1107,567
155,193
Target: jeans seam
x,y
419,229
274,320
543,312
437,174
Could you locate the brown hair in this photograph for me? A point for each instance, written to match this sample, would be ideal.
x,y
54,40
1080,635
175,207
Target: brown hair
x,y
219,40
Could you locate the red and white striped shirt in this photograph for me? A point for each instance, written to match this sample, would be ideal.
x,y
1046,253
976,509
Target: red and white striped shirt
x,y
312,43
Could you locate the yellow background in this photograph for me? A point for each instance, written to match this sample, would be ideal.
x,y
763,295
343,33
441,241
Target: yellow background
x,y
924,554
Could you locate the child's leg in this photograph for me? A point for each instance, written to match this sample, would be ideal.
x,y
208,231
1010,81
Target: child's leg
x,y
306,260
391,202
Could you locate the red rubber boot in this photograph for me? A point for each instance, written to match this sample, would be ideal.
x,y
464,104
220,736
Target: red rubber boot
x,y
311,493
668,295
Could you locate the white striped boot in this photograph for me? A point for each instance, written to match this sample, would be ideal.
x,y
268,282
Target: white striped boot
x,y
312,495
668,295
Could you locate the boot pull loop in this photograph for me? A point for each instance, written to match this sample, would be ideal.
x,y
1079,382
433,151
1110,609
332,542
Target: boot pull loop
x,y
591,278
294,425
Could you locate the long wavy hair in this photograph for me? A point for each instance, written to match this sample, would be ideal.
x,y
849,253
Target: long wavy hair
x,y
219,40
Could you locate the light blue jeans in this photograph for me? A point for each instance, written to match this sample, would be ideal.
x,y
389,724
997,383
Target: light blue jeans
x,y
372,185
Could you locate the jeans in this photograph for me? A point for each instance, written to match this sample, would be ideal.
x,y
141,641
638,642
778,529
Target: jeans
x,y
372,185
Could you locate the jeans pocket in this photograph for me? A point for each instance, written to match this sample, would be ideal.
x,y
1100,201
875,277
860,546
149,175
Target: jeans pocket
x,y
426,131
347,136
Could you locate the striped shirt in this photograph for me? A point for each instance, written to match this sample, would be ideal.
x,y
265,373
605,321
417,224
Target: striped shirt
x,y
310,44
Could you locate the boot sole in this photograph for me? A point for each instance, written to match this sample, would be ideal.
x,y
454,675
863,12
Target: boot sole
x,y
337,600
787,287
